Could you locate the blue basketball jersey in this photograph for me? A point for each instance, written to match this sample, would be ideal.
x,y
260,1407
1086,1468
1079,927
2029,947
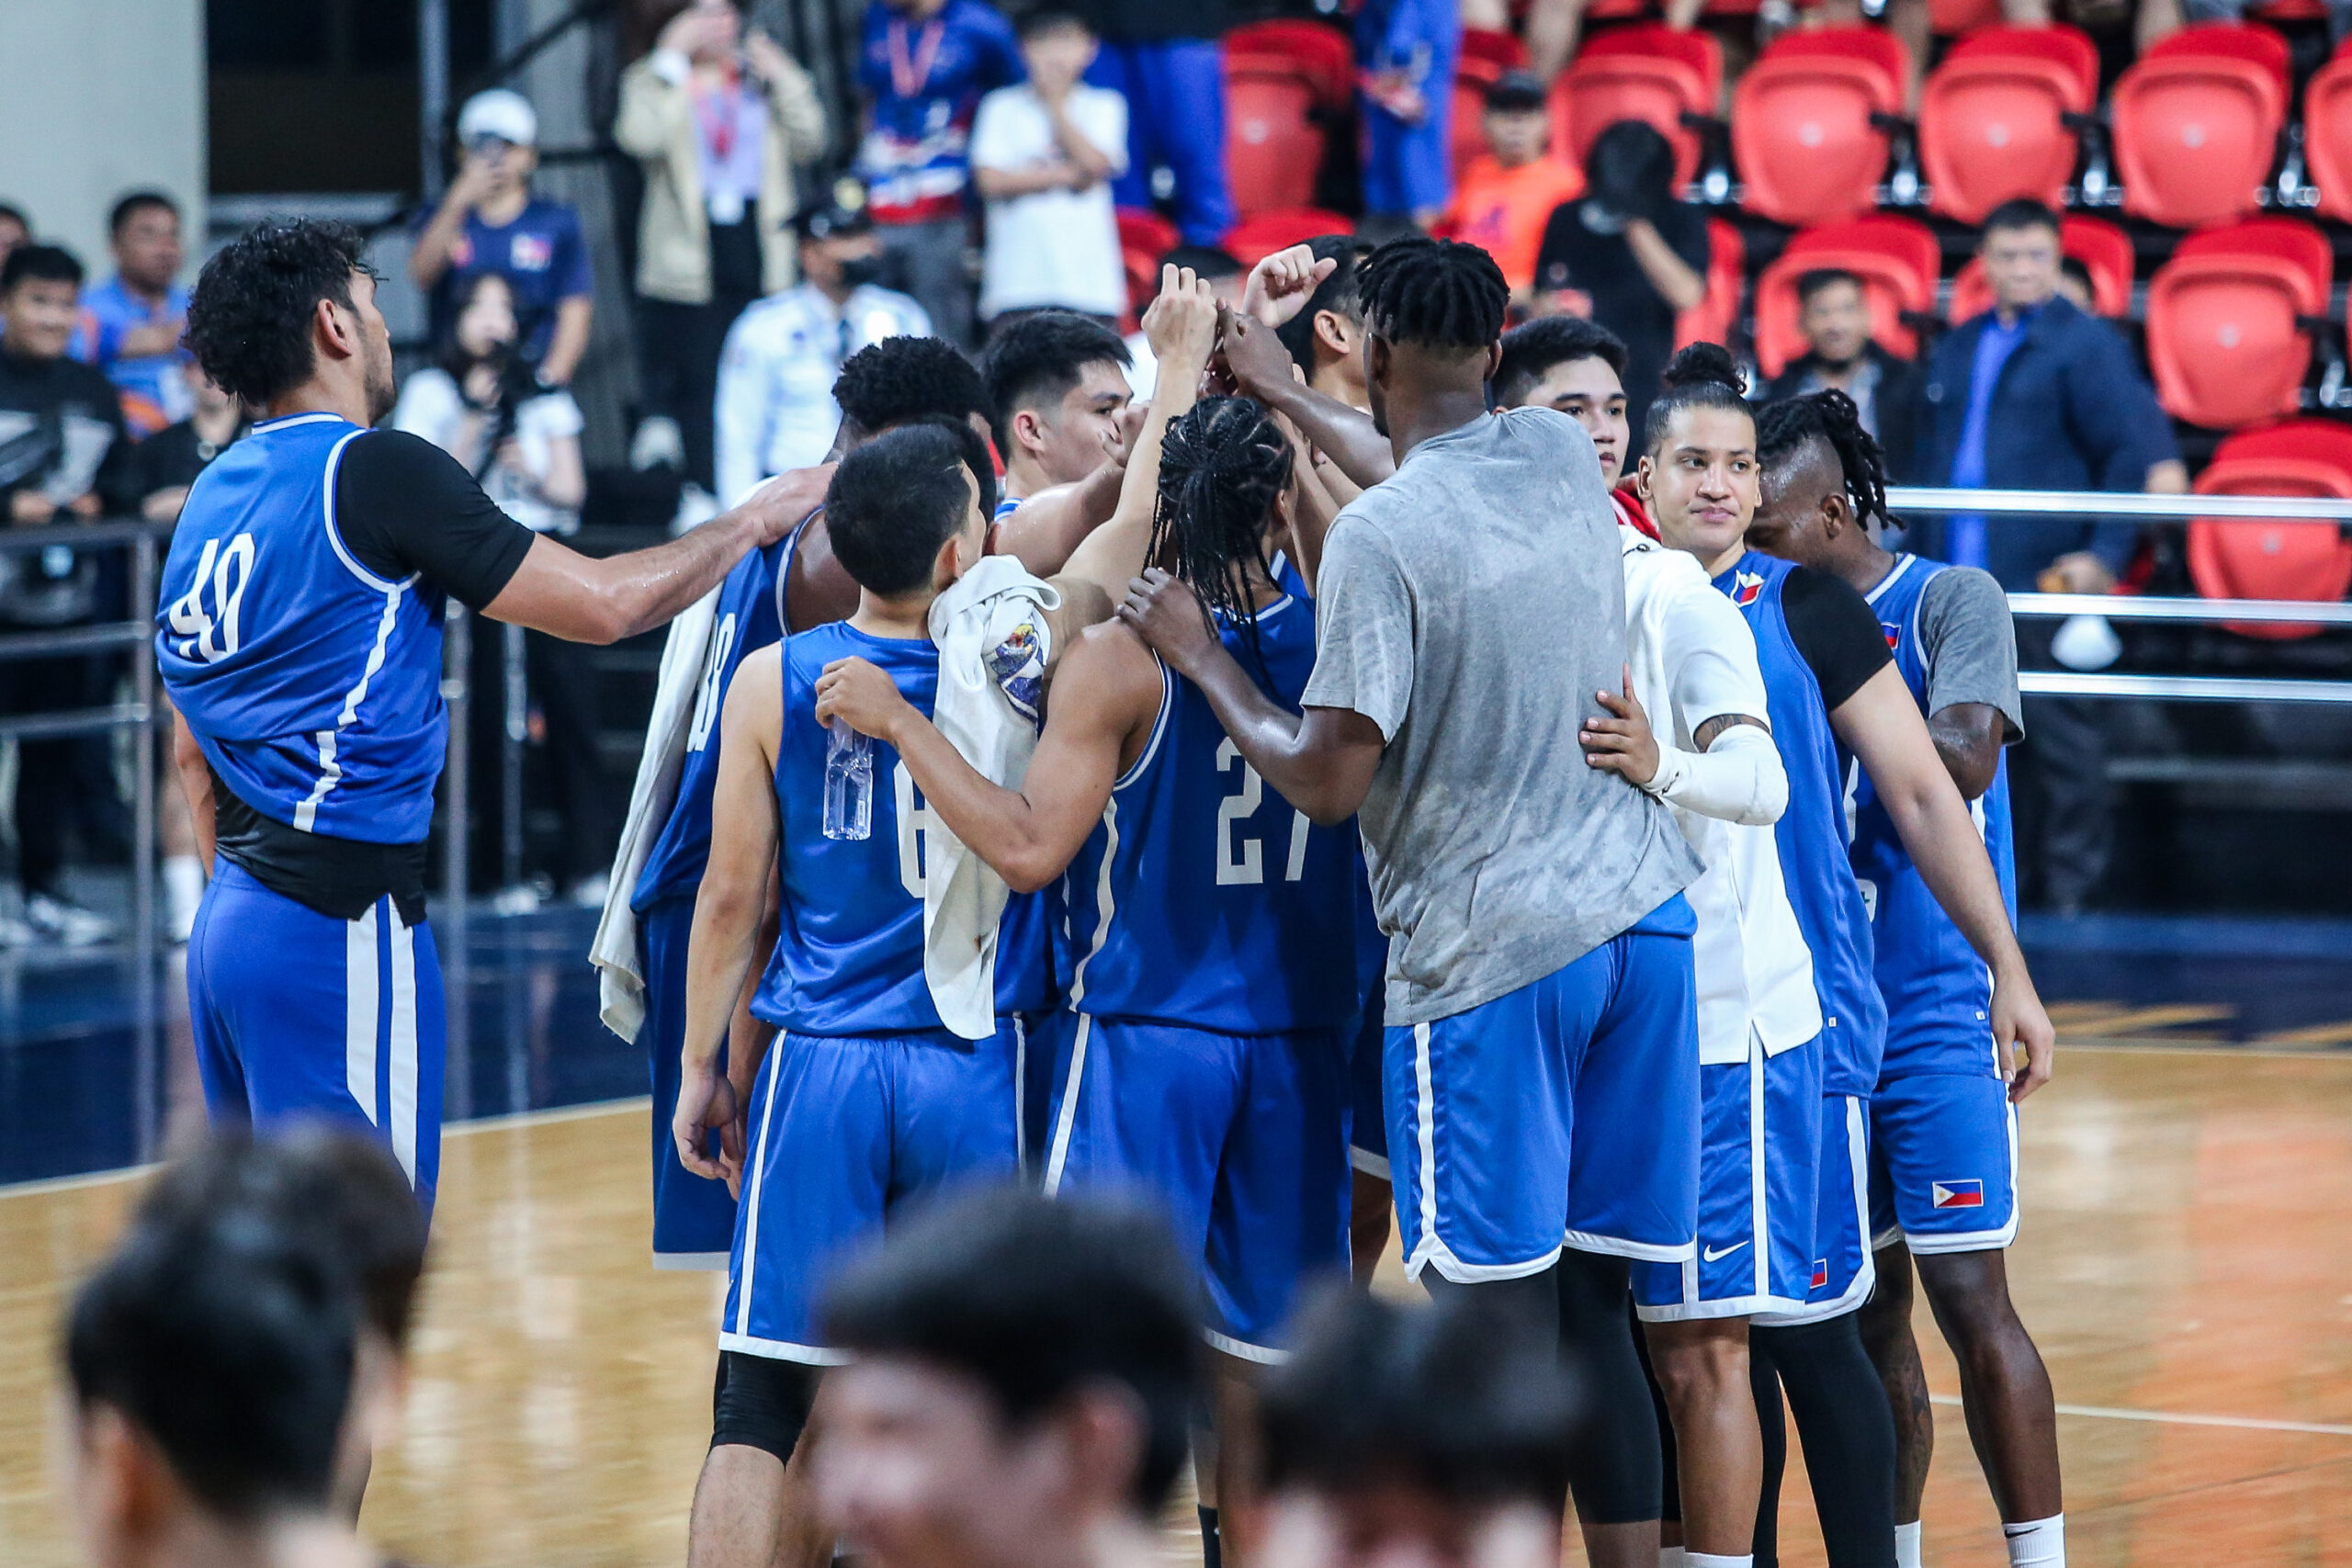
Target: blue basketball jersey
x,y
747,618
1939,993
1812,835
312,685
848,956
1202,898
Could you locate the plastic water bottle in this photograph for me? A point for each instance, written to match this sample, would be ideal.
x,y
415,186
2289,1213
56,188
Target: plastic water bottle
x,y
849,783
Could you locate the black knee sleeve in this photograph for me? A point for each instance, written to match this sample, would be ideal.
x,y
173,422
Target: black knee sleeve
x,y
760,1403
1848,1432
1617,1469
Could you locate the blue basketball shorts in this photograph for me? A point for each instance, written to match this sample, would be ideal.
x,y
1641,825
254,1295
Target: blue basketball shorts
x,y
694,1219
1843,1274
297,1015
1241,1140
1566,1113
842,1131
1944,1163
1759,1149
1367,1118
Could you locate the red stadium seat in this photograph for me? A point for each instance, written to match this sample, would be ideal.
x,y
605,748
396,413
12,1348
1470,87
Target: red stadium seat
x,y
2196,122
1274,139
1801,128
2272,558
1990,118
1144,238
2327,135
1648,73
1500,50
1261,235
1953,19
2224,338
1896,259
1710,320
2102,248
1319,52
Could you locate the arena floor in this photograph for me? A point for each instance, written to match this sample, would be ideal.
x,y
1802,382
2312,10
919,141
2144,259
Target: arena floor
x,y
2184,1264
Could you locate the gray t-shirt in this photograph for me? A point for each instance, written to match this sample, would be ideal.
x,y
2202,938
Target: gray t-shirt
x,y
1970,646
1470,606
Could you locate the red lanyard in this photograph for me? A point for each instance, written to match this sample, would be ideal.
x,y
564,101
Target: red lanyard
x,y
908,76
719,111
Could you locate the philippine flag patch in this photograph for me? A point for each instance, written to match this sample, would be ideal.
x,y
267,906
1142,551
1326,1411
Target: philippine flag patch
x,y
1745,587
1820,1272
1957,1194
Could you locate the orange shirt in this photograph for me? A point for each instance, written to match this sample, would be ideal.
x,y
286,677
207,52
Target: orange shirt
x,y
1504,211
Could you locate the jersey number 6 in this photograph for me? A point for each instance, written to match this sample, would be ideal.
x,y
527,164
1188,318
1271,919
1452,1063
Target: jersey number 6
x,y
211,633
1242,861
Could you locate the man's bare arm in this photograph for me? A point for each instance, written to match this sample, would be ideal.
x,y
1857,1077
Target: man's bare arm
x,y
1261,367
1968,740
195,782
1043,531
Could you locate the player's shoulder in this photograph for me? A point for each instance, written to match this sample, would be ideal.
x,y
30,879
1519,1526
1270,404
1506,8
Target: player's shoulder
x,y
1109,664
376,459
1963,590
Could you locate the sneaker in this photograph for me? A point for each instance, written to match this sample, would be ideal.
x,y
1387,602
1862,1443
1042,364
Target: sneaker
x,y
15,933
520,899
696,506
659,443
588,891
58,922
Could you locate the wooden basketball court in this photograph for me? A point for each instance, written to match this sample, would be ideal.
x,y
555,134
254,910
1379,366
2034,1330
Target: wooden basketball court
x,y
2186,1263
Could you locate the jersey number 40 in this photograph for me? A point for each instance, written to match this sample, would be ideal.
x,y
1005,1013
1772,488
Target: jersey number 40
x,y
206,616
1243,861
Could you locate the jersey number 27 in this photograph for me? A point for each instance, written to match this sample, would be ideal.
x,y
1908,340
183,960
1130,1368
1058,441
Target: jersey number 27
x,y
206,615
1242,861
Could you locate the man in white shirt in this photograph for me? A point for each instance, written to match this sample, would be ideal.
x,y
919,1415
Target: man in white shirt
x,y
776,409
1044,154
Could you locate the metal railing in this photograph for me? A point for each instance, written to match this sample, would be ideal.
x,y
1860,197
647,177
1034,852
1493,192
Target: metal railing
x,y
2004,505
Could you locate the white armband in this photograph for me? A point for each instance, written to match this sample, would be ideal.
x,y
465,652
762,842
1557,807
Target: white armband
x,y
1738,779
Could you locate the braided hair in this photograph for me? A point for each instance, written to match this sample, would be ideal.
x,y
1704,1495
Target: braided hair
x,y
1437,293
1700,376
1785,428
1223,465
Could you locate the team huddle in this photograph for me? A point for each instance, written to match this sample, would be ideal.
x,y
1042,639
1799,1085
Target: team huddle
x,y
1321,798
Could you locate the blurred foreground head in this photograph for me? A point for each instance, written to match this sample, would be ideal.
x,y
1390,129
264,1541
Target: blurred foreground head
x,y
1021,1375
1421,1436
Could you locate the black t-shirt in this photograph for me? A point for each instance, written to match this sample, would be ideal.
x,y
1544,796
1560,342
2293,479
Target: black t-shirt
x,y
1575,254
175,455
1836,630
402,506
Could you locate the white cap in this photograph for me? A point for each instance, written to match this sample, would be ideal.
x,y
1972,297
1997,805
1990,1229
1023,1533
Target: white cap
x,y
500,112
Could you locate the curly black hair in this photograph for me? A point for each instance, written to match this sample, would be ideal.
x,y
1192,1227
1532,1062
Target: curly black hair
x,y
1223,465
900,378
1699,377
249,319
1531,351
1786,429
1039,358
1437,293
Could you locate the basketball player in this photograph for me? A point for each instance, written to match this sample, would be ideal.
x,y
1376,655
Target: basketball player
x,y
1578,367
1943,1114
1022,1369
299,636
1213,928
1830,686
864,1099
1056,390
1540,1061
881,386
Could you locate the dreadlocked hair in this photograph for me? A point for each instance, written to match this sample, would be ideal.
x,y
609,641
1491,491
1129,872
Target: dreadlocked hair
x,y
1223,465
1437,293
1783,428
1699,377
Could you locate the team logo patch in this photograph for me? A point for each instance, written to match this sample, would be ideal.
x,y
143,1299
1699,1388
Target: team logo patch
x,y
531,252
1745,587
1017,664
1957,1194
1893,636
1820,1272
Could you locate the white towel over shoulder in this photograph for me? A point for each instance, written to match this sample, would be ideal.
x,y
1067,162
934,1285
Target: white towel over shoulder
x,y
993,645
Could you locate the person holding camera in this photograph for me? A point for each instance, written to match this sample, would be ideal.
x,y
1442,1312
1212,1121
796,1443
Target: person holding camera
x,y
490,222
1626,254
521,441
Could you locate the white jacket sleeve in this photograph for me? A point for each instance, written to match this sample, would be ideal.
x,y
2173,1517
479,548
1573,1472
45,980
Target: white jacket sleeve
x,y
1711,664
1738,779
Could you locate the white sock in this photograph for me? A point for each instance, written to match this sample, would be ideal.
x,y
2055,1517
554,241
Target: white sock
x,y
183,891
1710,1560
2038,1543
1906,1545
1672,1557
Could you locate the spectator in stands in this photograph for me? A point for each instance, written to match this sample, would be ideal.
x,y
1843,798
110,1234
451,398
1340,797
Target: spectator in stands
x,y
65,457
2035,395
132,324
1326,337
1834,314
1508,193
775,404
719,145
1165,58
482,406
1406,52
1414,1435
1042,156
925,65
2076,283
489,223
1627,253
1214,265
169,460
